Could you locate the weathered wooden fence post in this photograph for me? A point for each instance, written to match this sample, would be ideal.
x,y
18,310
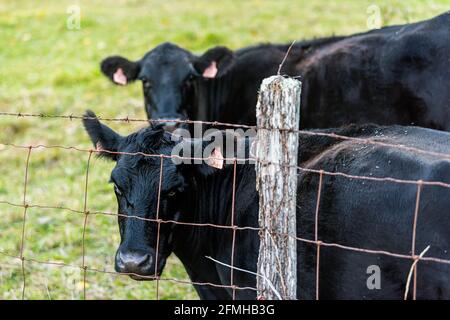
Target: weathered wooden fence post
x,y
276,181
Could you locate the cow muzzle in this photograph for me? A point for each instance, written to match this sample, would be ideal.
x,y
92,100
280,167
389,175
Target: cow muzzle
x,y
138,265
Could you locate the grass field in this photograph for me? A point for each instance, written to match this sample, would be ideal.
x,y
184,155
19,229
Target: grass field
x,y
46,67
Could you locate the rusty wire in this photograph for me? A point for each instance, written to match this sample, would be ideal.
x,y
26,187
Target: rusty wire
x,y
86,214
24,219
62,264
231,125
413,241
300,168
233,243
316,232
233,227
159,225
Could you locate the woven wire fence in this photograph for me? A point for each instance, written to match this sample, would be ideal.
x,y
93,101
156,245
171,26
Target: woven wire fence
x,y
414,257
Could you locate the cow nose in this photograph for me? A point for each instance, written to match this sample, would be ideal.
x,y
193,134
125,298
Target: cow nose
x,y
134,262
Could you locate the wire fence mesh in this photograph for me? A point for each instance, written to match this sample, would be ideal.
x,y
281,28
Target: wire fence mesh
x,y
316,241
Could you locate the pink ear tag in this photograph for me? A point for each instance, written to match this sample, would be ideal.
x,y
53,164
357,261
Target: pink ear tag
x,y
119,77
216,159
211,71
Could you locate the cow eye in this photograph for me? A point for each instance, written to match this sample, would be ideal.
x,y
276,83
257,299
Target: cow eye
x,y
171,193
146,82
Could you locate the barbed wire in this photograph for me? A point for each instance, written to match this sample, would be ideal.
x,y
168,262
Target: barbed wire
x,y
444,156
300,168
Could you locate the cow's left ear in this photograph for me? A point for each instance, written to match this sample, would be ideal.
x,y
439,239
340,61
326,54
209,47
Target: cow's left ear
x,y
120,70
105,140
214,63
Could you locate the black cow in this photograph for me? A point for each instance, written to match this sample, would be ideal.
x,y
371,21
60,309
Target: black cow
x,y
395,75
356,213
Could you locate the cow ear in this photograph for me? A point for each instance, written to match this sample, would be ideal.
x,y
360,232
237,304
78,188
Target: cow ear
x,y
214,63
120,70
105,139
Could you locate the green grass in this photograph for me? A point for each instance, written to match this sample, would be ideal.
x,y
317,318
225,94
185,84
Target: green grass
x,y
45,67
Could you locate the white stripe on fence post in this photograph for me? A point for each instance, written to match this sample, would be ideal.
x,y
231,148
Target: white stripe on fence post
x,y
276,181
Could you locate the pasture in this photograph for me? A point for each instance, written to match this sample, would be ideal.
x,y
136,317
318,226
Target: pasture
x,y
46,67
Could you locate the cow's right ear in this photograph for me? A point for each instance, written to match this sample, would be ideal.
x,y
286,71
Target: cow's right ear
x,y
105,139
120,70
214,63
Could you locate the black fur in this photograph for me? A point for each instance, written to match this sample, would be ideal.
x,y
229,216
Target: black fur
x,y
394,75
352,212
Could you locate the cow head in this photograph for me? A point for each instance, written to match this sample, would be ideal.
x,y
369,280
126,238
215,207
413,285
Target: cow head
x,y
166,73
136,180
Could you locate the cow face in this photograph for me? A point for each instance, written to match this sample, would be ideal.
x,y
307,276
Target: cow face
x,y
144,245
166,73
